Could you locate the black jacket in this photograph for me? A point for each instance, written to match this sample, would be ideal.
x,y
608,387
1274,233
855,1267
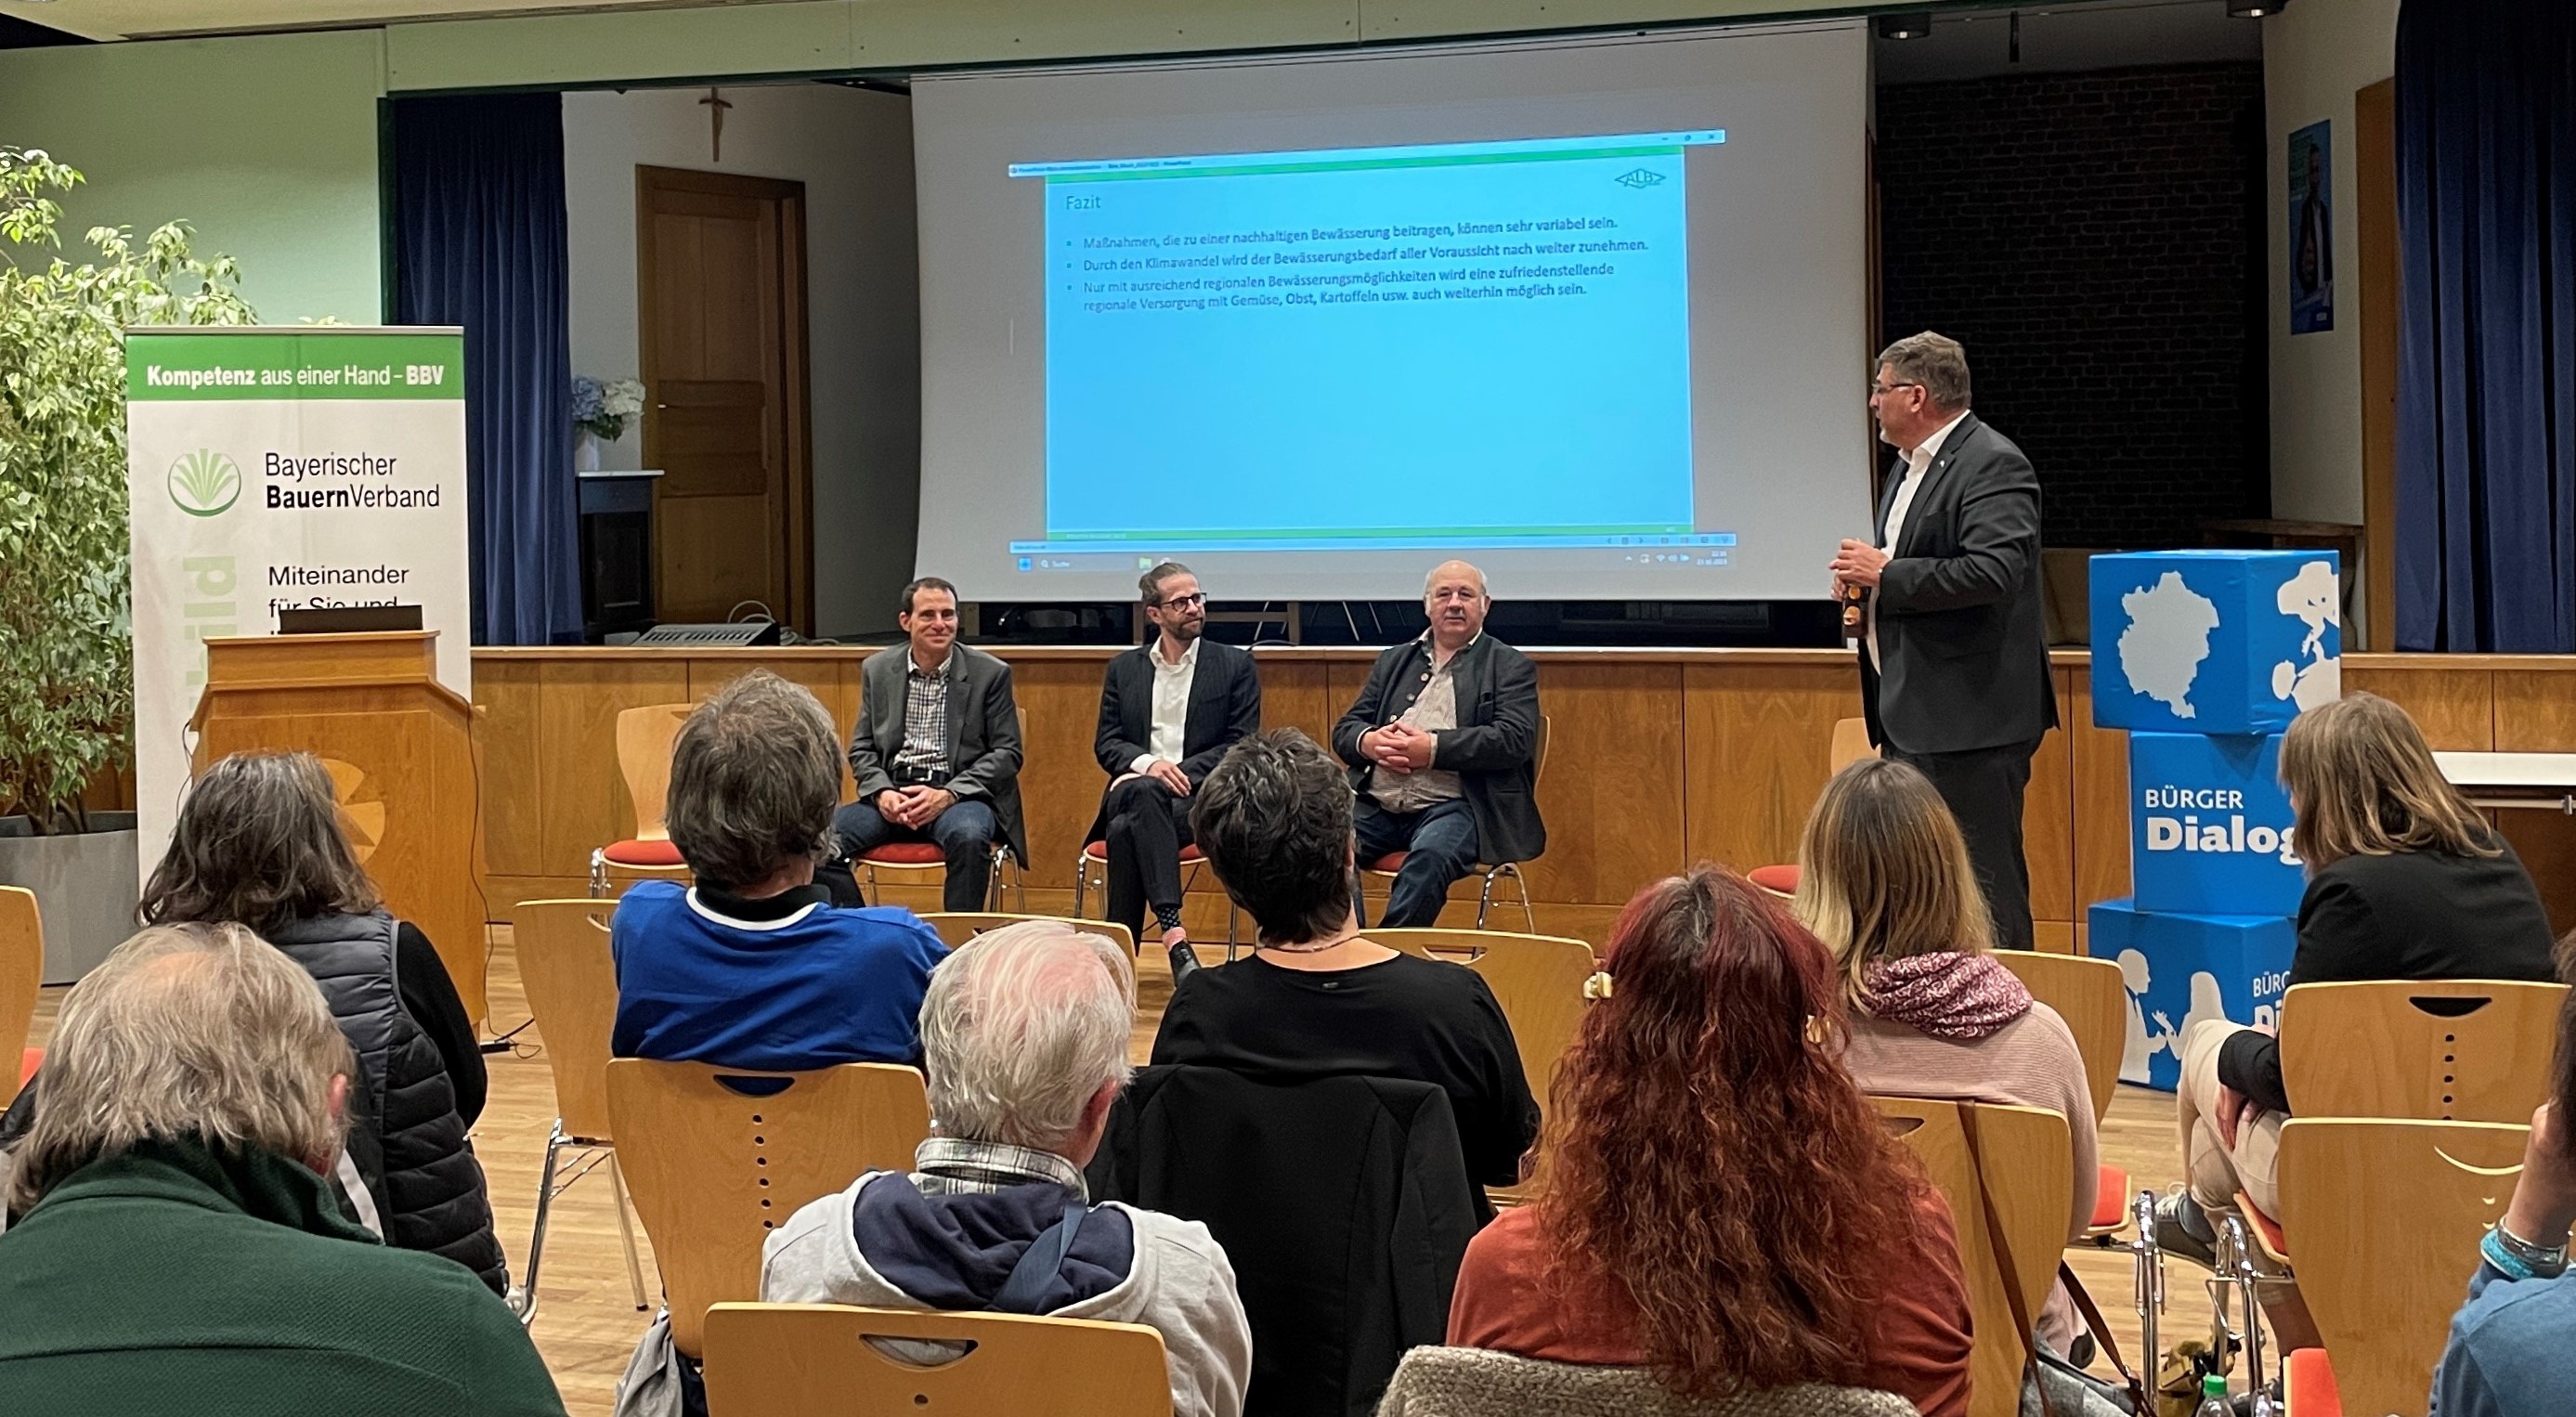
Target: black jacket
x,y
1343,1205
2410,915
1225,709
1962,635
1494,748
414,1156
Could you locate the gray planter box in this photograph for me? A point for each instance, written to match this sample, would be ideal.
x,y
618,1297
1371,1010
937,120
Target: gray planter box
x,y
85,886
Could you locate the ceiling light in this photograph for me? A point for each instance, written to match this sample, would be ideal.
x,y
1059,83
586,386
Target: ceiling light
x,y
1913,25
2255,9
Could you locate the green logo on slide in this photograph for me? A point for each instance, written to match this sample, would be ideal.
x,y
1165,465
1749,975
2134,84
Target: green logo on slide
x,y
204,483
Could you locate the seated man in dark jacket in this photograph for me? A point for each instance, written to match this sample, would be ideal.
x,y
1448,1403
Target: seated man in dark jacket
x,y
180,1251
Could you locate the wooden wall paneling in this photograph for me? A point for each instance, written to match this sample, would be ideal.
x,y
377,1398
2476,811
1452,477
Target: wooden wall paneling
x,y
2047,815
1060,783
2099,759
2456,707
582,795
1758,743
2535,712
1298,694
507,709
1611,793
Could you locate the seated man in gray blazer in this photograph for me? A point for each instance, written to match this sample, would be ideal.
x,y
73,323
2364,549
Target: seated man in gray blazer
x,y
1443,748
936,753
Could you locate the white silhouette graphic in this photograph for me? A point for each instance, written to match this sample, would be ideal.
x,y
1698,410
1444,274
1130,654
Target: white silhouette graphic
x,y
2142,1046
2313,596
2167,639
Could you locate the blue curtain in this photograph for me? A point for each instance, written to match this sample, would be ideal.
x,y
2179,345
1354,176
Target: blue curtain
x,y
479,241
2486,397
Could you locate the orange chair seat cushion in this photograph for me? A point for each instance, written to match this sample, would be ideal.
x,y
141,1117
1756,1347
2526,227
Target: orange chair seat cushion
x,y
905,853
1099,851
28,1062
2271,1228
642,853
1780,880
1390,863
2111,1201
2308,1382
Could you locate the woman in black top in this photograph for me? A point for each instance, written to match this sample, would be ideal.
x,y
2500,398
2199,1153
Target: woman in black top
x,y
2405,881
1317,998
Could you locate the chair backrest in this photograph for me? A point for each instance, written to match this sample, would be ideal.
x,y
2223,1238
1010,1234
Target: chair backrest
x,y
816,1360
2462,1050
2384,1217
1476,1382
716,1158
644,739
22,973
2027,1166
571,981
2093,997
1850,744
1538,980
1538,750
956,927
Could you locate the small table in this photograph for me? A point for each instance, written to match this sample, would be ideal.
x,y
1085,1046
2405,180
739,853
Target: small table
x,y
2542,781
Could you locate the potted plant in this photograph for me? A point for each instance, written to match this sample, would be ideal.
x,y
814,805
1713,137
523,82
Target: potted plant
x,y
66,659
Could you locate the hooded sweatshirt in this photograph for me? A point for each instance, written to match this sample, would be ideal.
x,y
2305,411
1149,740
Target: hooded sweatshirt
x,y
886,1244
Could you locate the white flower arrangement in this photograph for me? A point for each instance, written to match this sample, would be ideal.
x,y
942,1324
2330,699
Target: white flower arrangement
x,y
603,409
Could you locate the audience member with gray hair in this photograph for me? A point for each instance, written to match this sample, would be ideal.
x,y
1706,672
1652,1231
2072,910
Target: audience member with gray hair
x,y
180,1249
1026,1032
753,967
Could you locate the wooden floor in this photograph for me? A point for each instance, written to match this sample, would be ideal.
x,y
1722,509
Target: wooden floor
x,y
587,1324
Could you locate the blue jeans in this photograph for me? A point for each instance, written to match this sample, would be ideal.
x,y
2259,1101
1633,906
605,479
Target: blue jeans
x,y
964,834
1441,840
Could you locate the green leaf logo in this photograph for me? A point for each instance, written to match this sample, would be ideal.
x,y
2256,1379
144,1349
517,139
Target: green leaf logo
x,y
204,483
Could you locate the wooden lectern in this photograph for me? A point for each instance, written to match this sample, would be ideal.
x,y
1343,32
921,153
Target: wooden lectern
x,y
399,749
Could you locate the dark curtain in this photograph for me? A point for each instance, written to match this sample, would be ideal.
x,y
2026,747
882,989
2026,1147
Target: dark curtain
x,y
480,242
2486,397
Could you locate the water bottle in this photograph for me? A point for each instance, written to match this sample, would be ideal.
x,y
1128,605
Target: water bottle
x,y
2213,1397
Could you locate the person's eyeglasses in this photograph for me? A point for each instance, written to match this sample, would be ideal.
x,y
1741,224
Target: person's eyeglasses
x,y
1184,602
1879,390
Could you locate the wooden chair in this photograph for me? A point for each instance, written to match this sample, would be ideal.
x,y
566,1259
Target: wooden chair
x,y
644,739
571,982
1385,867
22,973
1849,745
2020,1168
819,1360
957,927
2093,999
723,1156
2470,1050
2386,1216
923,857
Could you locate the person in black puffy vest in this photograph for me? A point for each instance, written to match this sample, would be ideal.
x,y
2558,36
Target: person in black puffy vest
x,y
259,843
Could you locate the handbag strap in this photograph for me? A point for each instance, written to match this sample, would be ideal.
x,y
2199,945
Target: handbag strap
x,y
2101,1332
1995,1236
1027,1286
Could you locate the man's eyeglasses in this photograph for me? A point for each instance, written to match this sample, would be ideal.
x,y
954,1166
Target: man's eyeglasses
x,y
1879,390
1185,602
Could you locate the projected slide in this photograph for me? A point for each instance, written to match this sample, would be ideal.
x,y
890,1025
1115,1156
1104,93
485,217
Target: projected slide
x,y
1411,347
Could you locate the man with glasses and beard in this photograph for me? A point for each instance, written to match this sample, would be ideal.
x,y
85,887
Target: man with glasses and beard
x,y
1168,711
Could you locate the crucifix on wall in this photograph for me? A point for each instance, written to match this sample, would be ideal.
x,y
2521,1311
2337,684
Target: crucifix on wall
x,y
716,104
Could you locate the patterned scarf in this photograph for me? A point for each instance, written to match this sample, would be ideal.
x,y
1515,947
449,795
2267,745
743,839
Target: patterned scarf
x,y
1946,995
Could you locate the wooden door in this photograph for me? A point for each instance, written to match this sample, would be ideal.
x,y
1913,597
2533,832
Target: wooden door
x,y
720,317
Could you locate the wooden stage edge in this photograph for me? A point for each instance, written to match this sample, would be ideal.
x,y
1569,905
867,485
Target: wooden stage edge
x,y
1657,758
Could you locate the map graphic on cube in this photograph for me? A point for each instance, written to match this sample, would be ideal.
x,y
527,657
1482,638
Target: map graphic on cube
x,y
2226,642
2181,969
2209,826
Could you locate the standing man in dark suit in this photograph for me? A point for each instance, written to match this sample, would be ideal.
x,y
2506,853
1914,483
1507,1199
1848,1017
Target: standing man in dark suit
x,y
936,753
1168,710
1443,746
1954,667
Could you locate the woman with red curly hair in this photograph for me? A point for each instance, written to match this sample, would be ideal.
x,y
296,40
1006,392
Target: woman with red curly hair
x,y
1722,1206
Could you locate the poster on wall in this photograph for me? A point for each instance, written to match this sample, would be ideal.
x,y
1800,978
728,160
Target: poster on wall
x,y
274,468
2311,230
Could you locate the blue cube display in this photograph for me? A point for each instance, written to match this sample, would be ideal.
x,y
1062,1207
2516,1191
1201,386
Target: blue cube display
x,y
2227,642
2182,969
2209,826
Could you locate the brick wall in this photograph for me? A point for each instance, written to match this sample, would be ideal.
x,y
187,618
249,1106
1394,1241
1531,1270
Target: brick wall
x,y
2094,240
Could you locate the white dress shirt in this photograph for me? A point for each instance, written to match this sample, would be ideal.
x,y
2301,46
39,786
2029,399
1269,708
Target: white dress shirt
x,y
1172,684
1917,459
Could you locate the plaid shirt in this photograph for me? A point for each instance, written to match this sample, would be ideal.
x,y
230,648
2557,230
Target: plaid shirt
x,y
954,1166
923,758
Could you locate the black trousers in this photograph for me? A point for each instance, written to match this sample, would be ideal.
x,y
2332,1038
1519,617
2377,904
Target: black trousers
x,y
1983,787
1147,827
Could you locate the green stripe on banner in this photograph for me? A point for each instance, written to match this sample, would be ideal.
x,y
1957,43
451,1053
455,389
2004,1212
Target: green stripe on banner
x,y
280,364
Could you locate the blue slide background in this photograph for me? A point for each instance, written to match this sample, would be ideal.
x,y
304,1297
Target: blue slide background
x,y
1532,415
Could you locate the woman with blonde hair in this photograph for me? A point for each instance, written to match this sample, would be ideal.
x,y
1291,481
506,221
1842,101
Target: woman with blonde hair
x,y
2405,881
1884,880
